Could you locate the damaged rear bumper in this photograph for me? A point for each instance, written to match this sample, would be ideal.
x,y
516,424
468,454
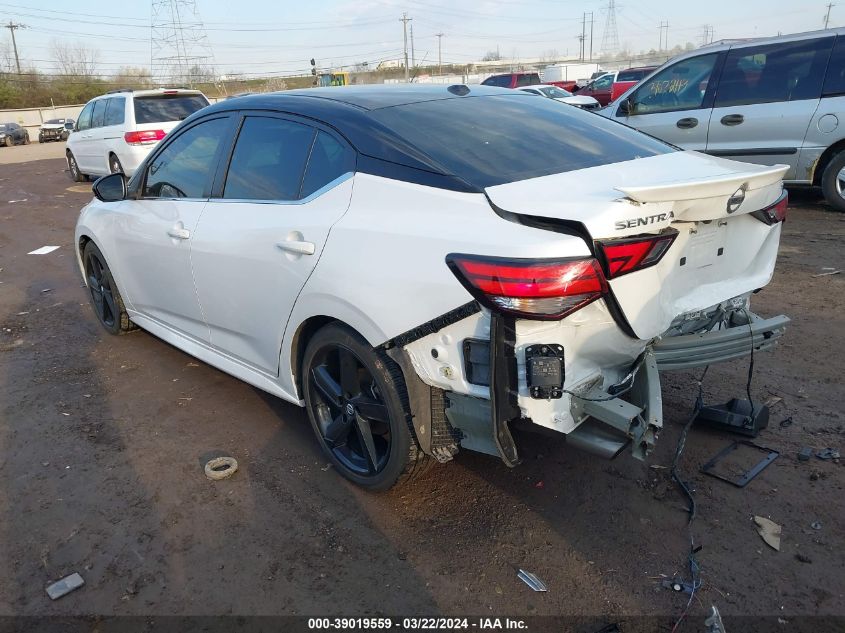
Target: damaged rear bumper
x,y
699,350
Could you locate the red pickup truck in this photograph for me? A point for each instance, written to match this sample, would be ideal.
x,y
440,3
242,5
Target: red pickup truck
x,y
627,78
513,80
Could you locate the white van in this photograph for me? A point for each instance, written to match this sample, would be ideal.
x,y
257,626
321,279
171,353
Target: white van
x,y
116,131
778,100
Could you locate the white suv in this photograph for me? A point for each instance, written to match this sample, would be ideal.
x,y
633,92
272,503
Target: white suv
x,y
116,131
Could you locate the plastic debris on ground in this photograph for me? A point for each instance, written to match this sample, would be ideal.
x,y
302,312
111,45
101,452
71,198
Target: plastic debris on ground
x,y
64,586
531,580
769,531
828,453
805,454
221,467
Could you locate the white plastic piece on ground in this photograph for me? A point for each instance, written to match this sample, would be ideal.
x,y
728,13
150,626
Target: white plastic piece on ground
x,y
769,531
65,586
531,580
43,250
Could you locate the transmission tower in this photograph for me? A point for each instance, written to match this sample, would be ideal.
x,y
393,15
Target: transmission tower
x,y
610,37
180,52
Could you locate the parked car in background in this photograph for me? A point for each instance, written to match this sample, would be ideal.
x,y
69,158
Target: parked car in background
x,y
513,80
599,89
115,132
627,78
564,96
545,266
773,101
55,130
13,134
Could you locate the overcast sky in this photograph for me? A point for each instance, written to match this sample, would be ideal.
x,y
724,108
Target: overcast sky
x,y
269,37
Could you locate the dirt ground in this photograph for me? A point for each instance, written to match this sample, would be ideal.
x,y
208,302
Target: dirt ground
x,y
102,440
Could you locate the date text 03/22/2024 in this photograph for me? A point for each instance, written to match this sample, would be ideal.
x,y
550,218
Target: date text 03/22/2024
x,y
417,624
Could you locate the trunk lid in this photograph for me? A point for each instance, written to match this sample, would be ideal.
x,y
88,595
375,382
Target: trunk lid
x,y
717,255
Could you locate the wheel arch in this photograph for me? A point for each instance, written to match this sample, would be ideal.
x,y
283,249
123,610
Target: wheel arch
x,y
824,160
299,342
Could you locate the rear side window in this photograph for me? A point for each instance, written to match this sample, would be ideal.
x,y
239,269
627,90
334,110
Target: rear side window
x,y
329,160
115,111
269,160
603,83
492,140
630,75
84,121
527,80
788,71
184,168
165,108
98,116
834,83
501,81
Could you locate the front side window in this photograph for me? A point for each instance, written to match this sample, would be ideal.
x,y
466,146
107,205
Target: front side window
x,y
681,86
329,160
603,83
99,113
115,111
84,121
185,166
787,71
269,160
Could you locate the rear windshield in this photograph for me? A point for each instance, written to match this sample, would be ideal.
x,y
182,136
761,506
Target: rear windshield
x,y
164,108
502,81
631,75
493,140
54,121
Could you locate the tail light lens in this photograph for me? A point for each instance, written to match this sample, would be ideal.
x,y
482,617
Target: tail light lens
x,y
775,213
635,253
144,136
543,289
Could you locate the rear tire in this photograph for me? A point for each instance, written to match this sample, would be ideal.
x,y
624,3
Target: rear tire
x,y
73,168
105,297
833,182
369,400
114,164
9,141
26,138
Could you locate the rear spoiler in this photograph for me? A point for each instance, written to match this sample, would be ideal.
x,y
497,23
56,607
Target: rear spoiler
x,y
712,187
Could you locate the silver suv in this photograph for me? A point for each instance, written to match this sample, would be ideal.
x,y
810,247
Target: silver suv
x,y
778,100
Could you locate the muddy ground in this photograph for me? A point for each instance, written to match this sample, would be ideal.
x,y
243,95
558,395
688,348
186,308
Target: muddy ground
x,y
101,442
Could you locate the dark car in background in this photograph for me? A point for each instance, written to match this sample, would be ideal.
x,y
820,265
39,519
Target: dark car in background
x,y
13,134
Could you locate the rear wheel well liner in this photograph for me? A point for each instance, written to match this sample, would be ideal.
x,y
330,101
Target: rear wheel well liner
x,y
303,334
824,160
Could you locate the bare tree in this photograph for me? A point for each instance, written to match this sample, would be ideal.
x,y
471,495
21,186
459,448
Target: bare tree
x,y
491,56
7,58
75,59
132,77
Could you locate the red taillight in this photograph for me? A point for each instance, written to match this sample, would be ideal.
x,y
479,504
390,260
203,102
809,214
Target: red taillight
x,y
775,213
626,255
144,136
532,289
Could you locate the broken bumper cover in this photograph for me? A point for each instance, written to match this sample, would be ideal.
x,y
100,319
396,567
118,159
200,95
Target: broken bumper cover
x,y
698,350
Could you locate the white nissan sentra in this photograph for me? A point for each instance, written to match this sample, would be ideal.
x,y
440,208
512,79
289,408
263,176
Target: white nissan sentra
x,y
425,268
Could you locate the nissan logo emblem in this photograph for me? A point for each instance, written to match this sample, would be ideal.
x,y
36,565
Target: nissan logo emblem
x,y
735,201
350,410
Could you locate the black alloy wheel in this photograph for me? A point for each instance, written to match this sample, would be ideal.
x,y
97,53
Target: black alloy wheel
x,y
105,297
357,405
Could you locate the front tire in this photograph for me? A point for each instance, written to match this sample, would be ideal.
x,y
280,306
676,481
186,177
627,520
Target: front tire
x,y
26,138
9,141
833,182
105,297
358,408
73,167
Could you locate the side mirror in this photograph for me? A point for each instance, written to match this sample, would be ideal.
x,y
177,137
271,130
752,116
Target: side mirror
x,y
111,188
626,108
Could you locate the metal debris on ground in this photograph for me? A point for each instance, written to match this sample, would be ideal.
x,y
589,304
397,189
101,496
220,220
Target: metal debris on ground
x,y
531,580
221,467
677,584
748,475
64,586
769,531
828,453
805,454
786,422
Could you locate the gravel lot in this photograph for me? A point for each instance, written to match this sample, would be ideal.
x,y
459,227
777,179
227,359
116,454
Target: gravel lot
x,y
102,440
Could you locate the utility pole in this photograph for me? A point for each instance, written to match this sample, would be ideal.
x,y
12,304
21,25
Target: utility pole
x,y
663,25
413,53
12,27
583,34
591,35
826,17
439,58
404,20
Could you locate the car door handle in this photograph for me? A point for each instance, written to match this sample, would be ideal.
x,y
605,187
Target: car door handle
x,y
178,233
297,247
732,119
687,123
